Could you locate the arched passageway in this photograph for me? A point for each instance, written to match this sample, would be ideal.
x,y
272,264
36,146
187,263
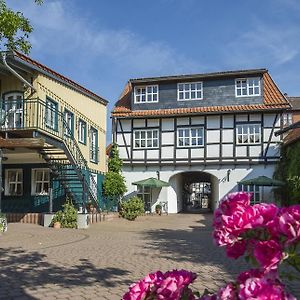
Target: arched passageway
x,y
197,192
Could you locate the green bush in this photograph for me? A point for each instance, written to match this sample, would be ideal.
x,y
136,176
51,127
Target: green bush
x,y
132,208
66,217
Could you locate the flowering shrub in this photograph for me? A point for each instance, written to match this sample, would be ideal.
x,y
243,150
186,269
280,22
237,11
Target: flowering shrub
x,y
265,234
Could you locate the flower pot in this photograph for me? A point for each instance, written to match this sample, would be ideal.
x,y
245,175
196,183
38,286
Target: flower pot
x,y
158,211
56,225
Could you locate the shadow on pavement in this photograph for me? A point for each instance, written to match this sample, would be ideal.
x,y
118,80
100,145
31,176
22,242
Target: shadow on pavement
x,y
20,269
193,244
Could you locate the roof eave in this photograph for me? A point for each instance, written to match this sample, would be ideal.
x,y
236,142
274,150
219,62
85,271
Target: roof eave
x,y
33,67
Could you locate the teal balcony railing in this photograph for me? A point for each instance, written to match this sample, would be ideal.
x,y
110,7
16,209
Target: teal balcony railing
x,y
38,115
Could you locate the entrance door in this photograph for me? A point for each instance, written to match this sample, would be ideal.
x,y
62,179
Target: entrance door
x,y
196,196
13,108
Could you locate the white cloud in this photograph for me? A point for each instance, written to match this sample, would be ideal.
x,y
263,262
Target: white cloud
x,y
58,30
264,44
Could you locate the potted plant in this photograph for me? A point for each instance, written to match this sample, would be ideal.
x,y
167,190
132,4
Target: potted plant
x,y
158,209
57,219
3,223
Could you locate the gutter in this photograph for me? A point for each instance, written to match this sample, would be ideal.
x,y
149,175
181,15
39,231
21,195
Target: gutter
x,y
11,70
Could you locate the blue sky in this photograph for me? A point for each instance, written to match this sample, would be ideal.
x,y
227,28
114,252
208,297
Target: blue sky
x,y
101,44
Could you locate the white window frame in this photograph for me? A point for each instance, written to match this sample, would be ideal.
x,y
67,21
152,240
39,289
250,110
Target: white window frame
x,y
69,119
187,91
255,190
93,145
148,140
13,109
287,119
82,129
147,92
248,87
43,181
16,183
51,114
248,134
189,137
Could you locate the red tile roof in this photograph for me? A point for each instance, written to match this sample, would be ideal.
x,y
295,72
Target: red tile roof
x,y
66,80
273,99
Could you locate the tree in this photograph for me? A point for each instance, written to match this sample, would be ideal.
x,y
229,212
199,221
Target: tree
x,y
114,185
15,29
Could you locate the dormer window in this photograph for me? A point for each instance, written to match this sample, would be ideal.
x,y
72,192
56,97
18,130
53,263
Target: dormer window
x,y
245,87
189,91
146,94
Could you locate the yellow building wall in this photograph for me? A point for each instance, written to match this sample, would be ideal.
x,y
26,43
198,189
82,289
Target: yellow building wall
x,y
83,107
92,112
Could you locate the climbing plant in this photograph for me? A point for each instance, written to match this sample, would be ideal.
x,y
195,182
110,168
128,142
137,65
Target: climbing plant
x,y
288,170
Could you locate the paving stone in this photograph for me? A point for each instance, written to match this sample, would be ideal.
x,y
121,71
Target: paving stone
x,y
102,261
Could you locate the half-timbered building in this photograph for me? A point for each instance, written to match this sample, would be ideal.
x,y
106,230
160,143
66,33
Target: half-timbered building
x,y
52,138
201,133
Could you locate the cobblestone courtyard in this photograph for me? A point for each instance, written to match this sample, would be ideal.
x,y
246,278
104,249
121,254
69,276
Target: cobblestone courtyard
x,y
101,262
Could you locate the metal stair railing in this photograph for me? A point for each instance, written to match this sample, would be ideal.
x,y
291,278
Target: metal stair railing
x,y
36,115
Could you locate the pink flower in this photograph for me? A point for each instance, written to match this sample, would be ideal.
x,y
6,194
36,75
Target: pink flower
x,y
266,214
234,200
268,253
289,223
227,293
208,297
143,288
175,284
256,285
236,250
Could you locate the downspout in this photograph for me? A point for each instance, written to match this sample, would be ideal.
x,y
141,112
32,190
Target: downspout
x,y
16,73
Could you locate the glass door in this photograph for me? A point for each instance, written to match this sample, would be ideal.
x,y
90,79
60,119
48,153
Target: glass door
x,y
13,110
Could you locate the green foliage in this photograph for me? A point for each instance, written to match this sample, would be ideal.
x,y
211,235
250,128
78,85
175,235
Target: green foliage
x,y
115,163
132,208
14,28
66,217
114,185
288,170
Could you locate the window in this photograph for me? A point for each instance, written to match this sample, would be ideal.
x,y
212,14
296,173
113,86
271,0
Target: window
x,y
147,93
40,181
255,190
51,114
248,134
82,131
247,87
146,138
13,110
190,137
189,91
69,123
94,145
144,193
13,182
287,119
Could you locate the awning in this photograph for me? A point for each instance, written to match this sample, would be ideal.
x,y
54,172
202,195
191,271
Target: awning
x,y
262,181
152,183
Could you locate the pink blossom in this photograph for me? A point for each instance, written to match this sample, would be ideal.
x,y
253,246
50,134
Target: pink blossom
x,y
236,250
141,289
266,214
234,200
209,297
227,293
289,223
268,253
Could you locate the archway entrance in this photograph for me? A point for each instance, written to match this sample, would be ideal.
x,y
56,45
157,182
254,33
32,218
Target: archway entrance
x,y
197,192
